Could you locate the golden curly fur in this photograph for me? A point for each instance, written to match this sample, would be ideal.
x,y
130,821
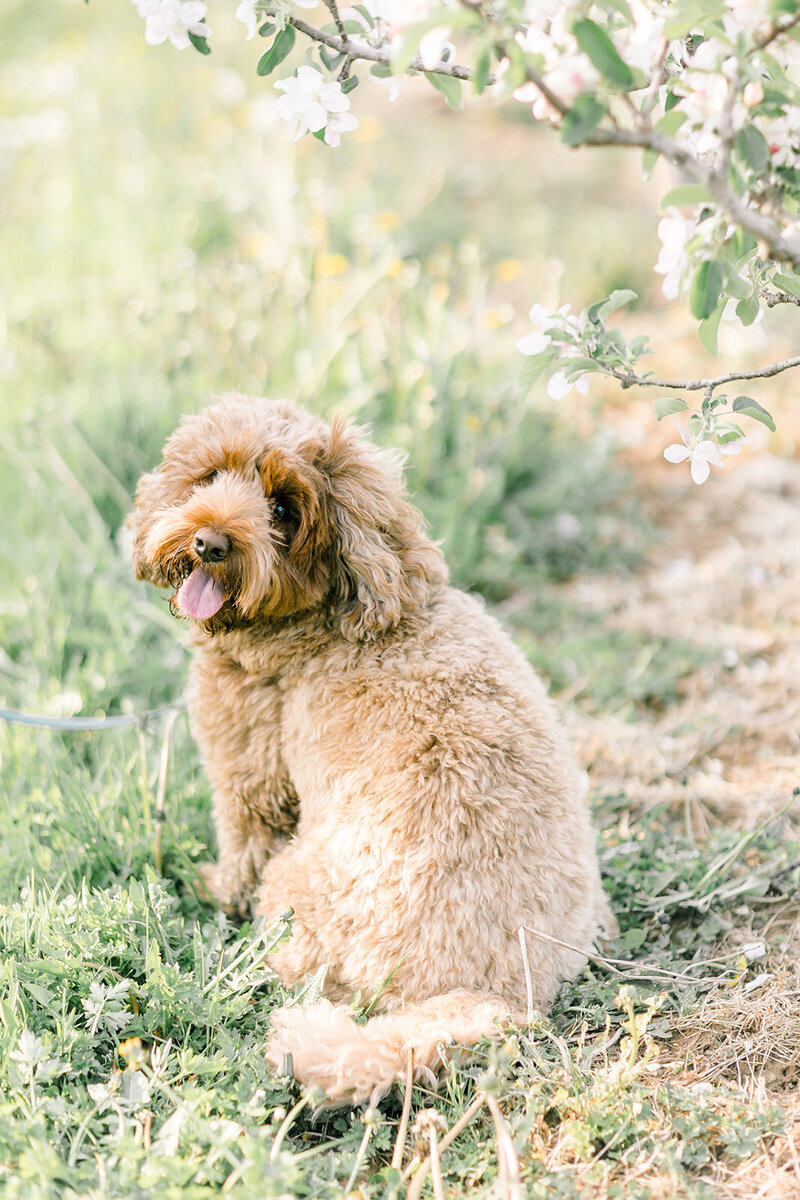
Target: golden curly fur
x,y
384,760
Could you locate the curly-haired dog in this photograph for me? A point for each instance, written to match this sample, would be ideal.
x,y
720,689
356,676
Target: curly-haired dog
x,y
384,760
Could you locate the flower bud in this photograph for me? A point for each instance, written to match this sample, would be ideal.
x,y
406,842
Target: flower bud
x,y
753,93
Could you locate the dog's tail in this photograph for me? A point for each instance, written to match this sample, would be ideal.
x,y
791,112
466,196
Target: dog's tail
x,y
354,1062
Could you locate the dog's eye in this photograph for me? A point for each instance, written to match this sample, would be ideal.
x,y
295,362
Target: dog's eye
x,y
280,510
210,476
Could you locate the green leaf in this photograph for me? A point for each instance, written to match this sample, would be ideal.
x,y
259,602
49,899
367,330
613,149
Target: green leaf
x,y
747,310
752,146
450,87
705,289
709,328
349,84
480,75
751,408
266,29
602,53
728,431
366,14
688,194
787,283
200,43
668,405
574,367
381,71
535,367
618,299
581,120
332,59
277,52
737,287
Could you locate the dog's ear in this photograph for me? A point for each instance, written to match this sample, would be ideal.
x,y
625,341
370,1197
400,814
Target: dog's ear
x,y
149,498
383,564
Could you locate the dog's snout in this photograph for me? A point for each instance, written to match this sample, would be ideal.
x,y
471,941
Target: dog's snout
x,y
211,545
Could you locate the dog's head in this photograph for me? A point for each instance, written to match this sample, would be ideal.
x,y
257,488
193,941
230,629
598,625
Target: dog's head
x,y
259,510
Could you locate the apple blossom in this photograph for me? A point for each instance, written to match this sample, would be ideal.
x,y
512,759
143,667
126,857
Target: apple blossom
x,y
174,20
246,12
559,387
700,453
309,102
675,232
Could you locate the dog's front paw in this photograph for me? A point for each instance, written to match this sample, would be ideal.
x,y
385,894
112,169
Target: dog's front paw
x,y
216,887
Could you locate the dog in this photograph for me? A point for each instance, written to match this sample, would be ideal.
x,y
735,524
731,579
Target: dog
x,y
384,761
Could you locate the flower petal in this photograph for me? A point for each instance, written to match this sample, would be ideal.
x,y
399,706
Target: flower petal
x,y
676,453
700,469
533,343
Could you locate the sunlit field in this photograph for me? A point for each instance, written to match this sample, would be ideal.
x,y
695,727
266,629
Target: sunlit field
x,y
161,242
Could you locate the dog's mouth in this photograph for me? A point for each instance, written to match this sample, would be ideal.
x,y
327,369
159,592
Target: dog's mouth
x,y
200,595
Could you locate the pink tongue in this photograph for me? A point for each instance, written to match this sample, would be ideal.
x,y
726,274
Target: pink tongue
x,y
200,596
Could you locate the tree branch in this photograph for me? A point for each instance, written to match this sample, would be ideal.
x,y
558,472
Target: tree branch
x,y
630,379
771,299
378,54
781,248
763,228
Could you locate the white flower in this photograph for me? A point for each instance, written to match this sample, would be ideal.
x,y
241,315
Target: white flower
x,y
539,317
675,233
175,20
702,452
309,102
567,72
432,46
246,12
642,45
338,124
533,343
558,386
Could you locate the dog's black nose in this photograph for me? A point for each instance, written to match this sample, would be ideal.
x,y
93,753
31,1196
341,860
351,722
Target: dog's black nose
x,y
211,545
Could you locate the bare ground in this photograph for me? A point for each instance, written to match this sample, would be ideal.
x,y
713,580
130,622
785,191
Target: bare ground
x,y
726,574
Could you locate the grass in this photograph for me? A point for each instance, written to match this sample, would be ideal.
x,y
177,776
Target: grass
x,y
160,242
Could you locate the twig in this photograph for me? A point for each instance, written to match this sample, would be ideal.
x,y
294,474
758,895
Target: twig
x,y
630,379
771,299
436,1165
378,54
653,975
527,969
286,1125
426,1128
510,1175
402,1129
334,11
370,1123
